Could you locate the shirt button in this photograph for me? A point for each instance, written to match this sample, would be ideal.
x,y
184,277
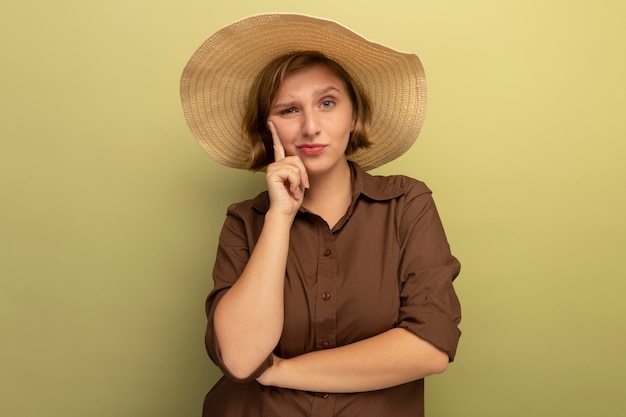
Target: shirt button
x,y
325,395
327,252
326,296
325,344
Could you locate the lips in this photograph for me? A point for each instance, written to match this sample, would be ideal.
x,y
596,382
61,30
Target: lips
x,y
312,149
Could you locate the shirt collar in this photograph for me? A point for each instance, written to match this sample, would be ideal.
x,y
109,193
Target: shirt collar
x,y
373,187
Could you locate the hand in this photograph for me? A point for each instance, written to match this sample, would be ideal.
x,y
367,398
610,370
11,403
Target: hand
x,y
286,179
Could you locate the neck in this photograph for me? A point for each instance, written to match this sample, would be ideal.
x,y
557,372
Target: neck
x,y
330,194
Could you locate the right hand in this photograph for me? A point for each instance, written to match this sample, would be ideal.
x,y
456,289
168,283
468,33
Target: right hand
x,y
286,179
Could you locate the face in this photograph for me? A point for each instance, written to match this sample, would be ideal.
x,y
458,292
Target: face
x,y
314,117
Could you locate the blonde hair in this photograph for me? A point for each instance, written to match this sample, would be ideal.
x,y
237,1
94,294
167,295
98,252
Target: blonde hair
x,y
264,91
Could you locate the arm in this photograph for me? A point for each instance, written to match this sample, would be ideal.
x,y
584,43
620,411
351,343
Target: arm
x,y
248,319
392,358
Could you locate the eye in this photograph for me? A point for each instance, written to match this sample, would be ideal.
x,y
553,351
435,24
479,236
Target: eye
x,y
326,104
287,111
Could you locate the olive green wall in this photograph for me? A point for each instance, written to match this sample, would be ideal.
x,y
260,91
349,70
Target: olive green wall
x,y
110,211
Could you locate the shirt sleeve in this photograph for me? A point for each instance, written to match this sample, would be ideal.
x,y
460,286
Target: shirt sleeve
x,y
429,306
234,248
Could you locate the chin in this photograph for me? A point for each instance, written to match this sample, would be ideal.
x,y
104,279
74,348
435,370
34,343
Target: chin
x,y
321,167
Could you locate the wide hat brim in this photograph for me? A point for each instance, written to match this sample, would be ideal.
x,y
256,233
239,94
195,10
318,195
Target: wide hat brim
x,y
216,81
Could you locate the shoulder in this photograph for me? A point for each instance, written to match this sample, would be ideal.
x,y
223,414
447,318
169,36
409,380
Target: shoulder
x,y
386,187
408,185
243,221
251,207
411,199
391,187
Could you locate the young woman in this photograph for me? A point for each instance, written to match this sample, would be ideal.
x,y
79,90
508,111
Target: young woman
x,y
333,289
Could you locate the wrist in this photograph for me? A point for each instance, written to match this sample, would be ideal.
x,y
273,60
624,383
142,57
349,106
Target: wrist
x,y
277,218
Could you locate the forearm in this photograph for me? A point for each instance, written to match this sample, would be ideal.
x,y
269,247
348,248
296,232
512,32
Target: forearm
x,y
389,359
248,319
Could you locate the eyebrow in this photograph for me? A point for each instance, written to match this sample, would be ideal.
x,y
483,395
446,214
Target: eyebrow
x,y
327,90
320,92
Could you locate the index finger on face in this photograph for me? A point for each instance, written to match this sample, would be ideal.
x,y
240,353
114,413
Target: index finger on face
x,y
279,151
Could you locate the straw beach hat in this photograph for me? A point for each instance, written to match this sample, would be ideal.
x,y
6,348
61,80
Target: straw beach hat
x,y
217,79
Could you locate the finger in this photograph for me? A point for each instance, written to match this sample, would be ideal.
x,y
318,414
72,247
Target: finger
x,y
288,174
294,182
296,163
279,151
304,176
295,190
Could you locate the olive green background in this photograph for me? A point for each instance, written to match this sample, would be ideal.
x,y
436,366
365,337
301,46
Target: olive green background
x,y
110,211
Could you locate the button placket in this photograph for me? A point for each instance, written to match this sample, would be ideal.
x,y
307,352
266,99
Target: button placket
x,y
326,304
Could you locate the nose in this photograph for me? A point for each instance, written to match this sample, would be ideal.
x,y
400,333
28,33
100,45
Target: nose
x,y
310,124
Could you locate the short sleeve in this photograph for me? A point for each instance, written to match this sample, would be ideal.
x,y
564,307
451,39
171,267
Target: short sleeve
x,y
234,248
429,306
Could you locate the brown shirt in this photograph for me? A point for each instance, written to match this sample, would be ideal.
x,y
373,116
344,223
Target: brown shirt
x,y
385,264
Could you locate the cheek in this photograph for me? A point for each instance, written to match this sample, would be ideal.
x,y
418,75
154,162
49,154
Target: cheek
x,y
285,132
